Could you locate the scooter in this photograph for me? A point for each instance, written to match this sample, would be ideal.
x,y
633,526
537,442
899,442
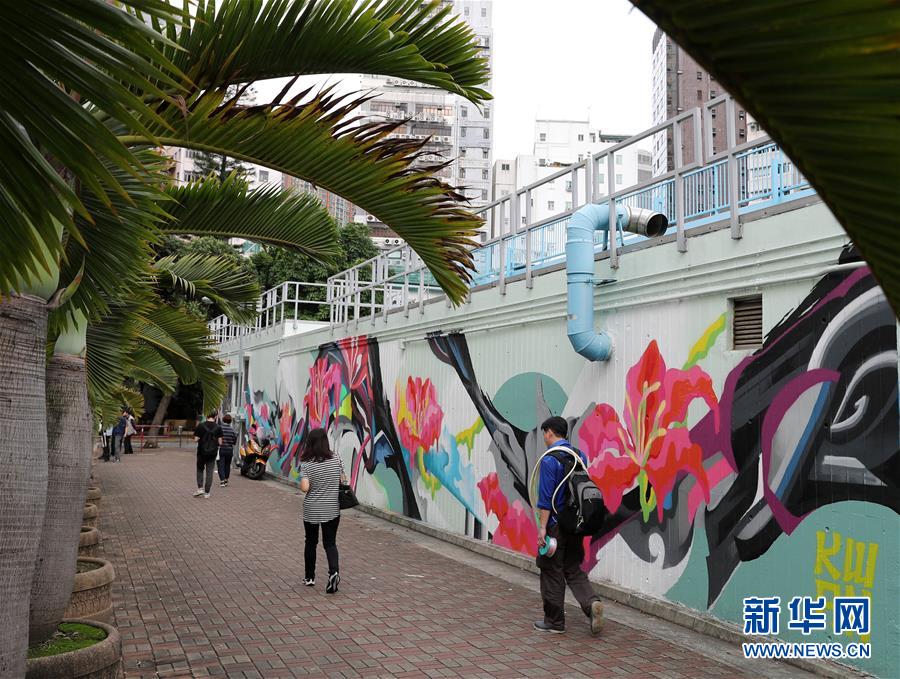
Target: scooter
x,y
254,456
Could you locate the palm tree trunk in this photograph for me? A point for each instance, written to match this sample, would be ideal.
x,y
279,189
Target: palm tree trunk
x,y
69,466
23,461
160,414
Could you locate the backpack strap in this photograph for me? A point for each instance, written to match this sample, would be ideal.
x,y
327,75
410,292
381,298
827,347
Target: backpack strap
x,y
562,483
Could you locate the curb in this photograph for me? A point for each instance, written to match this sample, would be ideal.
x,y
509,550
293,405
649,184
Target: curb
x,y
665,610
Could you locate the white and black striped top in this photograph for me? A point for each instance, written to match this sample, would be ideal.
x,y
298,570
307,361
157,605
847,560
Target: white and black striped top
x,y
321,502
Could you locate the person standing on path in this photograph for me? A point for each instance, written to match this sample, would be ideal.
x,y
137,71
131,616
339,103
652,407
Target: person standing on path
x,y
321,473
226,450
118,436
563,566
208,436
130,431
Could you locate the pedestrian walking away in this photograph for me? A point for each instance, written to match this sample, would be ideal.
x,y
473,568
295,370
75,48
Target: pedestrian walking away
x,y
130,430
321,474
560,555
208,436
118,436
226,450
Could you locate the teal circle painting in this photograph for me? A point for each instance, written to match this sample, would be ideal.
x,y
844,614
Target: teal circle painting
x,y
517,399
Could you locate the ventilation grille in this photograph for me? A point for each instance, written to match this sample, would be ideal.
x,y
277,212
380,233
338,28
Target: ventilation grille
x,y
747,331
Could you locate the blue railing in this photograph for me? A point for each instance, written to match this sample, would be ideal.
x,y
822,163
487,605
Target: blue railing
x,y
766,177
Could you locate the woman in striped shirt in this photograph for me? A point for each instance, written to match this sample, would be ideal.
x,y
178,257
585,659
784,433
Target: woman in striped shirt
x,y
321,473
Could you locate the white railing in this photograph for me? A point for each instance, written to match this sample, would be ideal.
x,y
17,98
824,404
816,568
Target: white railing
x,y
696,192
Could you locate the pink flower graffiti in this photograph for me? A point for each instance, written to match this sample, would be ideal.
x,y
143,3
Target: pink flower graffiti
x,y
516,530
323,393
419,420
419,417
356,356
652,445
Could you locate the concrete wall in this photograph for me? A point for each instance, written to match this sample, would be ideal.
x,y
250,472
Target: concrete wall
x,y
773,470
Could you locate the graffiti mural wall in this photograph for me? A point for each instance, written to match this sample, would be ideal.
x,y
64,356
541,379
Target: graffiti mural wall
x,y
775,475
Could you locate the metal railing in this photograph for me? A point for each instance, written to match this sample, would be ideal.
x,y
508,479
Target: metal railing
x,y
696,192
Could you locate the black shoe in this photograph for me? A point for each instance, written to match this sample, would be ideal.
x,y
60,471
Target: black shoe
x,y
541,626
333,580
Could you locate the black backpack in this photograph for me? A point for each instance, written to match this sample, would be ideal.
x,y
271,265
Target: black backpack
x,y
209,442
583,512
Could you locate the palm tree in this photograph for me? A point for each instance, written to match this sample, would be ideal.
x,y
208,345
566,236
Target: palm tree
x,y
147,334
822,80
128,82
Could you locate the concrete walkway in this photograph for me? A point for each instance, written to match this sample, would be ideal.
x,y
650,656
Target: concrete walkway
x,y
212,587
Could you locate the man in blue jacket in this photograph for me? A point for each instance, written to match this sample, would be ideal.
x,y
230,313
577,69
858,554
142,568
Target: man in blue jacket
x,y
564,565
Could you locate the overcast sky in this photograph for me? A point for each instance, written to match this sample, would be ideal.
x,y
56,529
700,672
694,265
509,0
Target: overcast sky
x,y
561,59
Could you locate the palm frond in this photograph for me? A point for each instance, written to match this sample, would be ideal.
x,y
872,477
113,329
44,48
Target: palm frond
x,y
61,61
271,215
822,78
239,41
235,291
318,140
148,365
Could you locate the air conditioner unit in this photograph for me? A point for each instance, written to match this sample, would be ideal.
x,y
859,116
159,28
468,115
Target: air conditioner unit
x,y
371,218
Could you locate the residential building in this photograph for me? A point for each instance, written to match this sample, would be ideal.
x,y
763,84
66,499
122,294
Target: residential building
x,y
454,129
339,208
558,144
679,84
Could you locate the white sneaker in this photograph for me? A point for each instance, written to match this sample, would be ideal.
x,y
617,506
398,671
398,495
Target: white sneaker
x,y
205,495
309,582
199,492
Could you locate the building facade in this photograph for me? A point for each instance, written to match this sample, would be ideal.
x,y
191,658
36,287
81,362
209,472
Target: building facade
x,y
558,144
679,84
454,129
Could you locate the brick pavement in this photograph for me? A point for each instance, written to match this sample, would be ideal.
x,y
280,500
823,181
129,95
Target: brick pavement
x,y
213,588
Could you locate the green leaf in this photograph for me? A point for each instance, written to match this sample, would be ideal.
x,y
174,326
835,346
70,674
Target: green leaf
x,y
822,78
269,215
319,140
234,290
63,63
246,40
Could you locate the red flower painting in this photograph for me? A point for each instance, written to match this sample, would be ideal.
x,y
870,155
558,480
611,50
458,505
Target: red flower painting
x,y
323,393
652,445
516,530
356,357
419,420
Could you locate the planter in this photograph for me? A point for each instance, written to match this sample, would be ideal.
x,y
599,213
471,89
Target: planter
x,y
91,517
88,541
102,660
93,497
92,592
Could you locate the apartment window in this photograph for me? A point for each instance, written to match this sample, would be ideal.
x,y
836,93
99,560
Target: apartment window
x,y
504,167
463,112
741,115
487,133
741,133
580,137
618,160
580,157
484,12
484,174
462,132
543,136
466,11
263,175
569,186
593,137
712,113
618,179
462,173
483,194
487,113
484,153
601,178
551,205
568,205
699,95
462,152
712,94
699,75
542,162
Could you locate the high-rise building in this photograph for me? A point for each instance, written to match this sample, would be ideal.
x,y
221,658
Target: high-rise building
x,y
456,130
558,144
339,208
185,169
680,84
